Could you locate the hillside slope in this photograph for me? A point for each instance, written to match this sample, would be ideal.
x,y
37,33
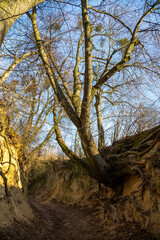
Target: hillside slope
x,y
140,198
13,204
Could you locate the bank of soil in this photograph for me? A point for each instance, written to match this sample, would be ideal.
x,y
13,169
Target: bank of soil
x,y
60,221
97,214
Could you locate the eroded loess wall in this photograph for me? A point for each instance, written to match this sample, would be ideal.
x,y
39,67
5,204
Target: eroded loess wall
x,y
13,206
140,199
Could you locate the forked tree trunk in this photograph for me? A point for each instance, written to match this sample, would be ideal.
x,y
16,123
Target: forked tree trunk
x,y
110,165
99,168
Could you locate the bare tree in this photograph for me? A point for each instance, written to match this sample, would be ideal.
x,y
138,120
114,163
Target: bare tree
x,y
95,163
113,75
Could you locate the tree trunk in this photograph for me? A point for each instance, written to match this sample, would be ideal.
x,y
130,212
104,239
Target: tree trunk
x,y
101,141
10,11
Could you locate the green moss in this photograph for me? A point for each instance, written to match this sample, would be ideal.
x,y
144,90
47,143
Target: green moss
x,y
139,138
57,26
131,142
99,28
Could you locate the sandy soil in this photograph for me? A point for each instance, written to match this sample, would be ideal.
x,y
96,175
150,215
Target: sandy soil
x,y
59,221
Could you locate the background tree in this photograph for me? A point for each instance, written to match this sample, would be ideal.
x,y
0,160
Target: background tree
x,y
25,90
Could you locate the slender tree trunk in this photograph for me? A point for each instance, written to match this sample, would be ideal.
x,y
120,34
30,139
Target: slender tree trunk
x,y
101,141
86,103
98,165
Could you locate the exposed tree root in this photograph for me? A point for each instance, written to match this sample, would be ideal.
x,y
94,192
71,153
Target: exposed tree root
x,y
5,183
132,161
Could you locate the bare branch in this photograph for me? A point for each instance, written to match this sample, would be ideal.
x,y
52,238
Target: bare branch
x,y
109,14
14,64
133,42
77,85
63,145
58,91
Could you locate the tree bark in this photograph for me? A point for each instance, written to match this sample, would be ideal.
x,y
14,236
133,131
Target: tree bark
x,y
10,11
101,140
86,103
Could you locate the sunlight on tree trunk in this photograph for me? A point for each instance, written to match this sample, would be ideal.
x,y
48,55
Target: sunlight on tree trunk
x,y
10,11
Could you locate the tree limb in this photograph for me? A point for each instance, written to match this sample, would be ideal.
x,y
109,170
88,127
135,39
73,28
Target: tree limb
x,y
57,89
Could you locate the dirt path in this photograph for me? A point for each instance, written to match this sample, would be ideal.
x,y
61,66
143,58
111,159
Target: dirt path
x,y
68,222
59,221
